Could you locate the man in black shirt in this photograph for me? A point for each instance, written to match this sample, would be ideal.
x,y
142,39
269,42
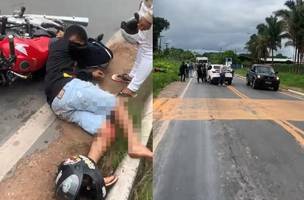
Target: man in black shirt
x,y
73,98
199,72
182,72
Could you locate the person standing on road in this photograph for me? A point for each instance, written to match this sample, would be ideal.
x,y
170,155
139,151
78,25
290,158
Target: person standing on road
x,y
191,70
143,64
187,70
73,98
199,72
222,76
182,72
204,79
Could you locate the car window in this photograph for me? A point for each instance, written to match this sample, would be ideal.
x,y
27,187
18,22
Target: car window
x,y
264,69
217,67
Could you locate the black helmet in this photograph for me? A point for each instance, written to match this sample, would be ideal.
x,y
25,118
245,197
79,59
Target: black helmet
x,y
97,54
79,178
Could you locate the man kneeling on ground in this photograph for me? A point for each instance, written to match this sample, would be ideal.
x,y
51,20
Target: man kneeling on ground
x,y
83,103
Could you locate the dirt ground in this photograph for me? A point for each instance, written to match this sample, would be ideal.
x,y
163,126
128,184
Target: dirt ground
x,y
33,177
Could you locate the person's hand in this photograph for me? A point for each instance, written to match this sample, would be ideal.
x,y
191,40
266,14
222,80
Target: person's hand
x,y
98,74
59,34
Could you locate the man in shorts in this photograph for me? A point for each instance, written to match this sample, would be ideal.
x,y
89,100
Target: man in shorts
x,y
73,98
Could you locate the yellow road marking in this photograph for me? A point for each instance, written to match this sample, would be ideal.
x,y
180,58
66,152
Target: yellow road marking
x,y
297,133
279,111
276,114
237,92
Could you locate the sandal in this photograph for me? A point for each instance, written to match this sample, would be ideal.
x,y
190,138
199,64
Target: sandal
x,y
127,94
112,181
122,78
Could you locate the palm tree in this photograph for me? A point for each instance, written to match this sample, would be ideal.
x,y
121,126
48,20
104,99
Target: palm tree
x,y
293,19
271,32
257,46
159,24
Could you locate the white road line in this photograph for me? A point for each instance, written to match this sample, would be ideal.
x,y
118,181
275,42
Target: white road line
x,y
292,95
23,139
186,88
165,124
128,168
296,92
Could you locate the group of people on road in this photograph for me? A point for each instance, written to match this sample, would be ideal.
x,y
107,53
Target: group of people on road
x,y
201,72
75,61
188,70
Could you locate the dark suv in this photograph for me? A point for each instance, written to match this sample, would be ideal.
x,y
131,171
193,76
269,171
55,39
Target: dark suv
x,y
263,76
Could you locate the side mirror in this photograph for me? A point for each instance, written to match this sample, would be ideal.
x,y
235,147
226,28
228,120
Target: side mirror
x,y
209,68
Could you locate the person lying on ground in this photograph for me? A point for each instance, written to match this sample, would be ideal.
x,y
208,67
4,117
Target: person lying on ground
x,y
143,63
82,102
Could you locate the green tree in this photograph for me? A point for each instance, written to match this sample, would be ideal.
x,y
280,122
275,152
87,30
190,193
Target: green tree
x,y
271,33
159,24
257,46
293,18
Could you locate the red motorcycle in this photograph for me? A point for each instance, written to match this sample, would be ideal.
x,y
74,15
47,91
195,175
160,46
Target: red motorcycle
x,y
22,57
24,42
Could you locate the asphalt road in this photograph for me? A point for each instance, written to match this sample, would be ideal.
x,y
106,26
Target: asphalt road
x,y
19,101
230,159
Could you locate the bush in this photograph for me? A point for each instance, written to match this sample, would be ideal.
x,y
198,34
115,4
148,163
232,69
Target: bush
x,y
292,68
161,79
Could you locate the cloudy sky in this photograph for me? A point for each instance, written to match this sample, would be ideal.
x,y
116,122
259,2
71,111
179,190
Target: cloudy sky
x,y
214,24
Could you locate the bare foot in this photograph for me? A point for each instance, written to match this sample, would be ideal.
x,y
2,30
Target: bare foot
x,y
140,151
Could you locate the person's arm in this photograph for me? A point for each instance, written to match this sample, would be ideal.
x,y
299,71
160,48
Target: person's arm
x,y
83,74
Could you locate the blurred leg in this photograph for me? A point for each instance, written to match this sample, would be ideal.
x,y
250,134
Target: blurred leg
x,y
103,139
135,148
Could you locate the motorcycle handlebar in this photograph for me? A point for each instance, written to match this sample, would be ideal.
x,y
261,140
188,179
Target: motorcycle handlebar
x,y
11,46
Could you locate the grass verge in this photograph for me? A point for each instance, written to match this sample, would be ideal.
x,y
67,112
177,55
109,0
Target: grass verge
x,y
143,184
162,79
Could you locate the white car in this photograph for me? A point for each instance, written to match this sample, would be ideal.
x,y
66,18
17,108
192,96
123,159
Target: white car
x,y
213,73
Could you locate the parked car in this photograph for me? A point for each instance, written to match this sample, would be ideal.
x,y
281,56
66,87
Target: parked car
x,y
262,76
213,73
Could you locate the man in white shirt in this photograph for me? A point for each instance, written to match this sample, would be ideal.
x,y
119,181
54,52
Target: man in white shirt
x,y
144,58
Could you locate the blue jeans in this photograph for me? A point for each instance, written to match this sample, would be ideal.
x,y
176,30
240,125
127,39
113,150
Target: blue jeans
x,y
85,104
